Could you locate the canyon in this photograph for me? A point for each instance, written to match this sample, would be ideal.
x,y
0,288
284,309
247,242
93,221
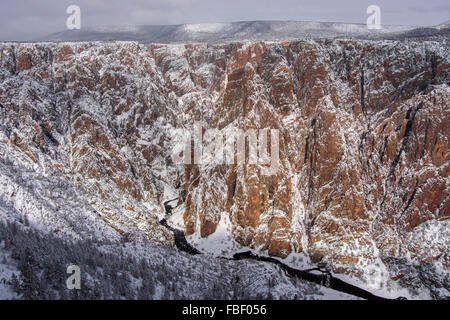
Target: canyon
x,y
362,187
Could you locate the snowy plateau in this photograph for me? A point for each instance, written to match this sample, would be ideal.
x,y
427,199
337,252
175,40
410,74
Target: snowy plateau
x,y
358,208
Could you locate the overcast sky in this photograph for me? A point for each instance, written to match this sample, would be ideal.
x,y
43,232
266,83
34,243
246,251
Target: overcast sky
x,y
32,19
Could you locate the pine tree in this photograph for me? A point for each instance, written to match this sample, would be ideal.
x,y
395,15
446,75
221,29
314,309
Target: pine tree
x,y
15,284
29,277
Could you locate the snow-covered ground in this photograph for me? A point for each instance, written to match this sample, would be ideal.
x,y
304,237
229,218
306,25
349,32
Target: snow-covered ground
x,y
220,243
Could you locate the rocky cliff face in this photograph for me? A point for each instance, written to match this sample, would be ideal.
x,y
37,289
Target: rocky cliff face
x,y
363,179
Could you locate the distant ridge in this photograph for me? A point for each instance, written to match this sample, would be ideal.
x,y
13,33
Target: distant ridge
x,y
241,31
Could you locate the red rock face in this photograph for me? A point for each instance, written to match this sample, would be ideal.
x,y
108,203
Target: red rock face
x,y
364,149
363,127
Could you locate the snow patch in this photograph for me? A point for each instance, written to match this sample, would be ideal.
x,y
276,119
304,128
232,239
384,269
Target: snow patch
x,y
220,243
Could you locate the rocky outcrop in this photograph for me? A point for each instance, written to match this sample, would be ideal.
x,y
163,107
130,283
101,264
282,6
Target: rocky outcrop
x,y
362,185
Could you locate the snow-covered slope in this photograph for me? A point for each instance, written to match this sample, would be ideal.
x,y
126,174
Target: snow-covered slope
x,y
34,264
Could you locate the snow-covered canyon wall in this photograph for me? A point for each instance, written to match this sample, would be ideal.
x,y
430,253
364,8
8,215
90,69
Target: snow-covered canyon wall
x,y
362,185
